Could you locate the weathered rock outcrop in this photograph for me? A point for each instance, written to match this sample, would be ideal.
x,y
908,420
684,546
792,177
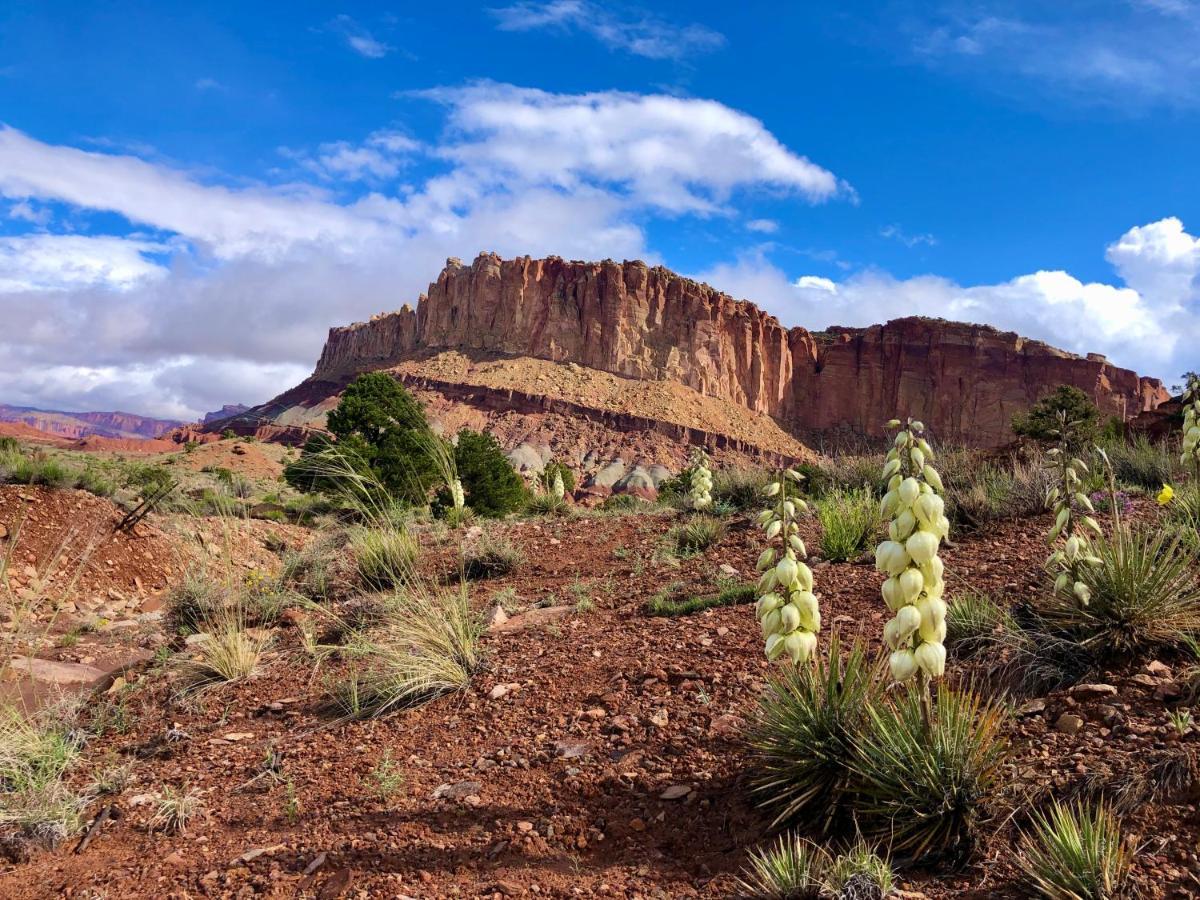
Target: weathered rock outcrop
x,y
645,322
76,425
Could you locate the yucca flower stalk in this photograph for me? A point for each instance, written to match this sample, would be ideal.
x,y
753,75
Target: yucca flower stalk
x,y
558,488
701,482
1190,459
909,557
787,607
1071,548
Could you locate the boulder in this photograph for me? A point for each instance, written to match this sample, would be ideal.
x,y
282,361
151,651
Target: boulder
x,y
607,476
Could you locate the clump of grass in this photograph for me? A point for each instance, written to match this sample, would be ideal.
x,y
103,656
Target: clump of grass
x,y
972,618
1142,463
427,646
230,652
625,503
490,556
697,534
386,779
849,520
1145,594
730,596
980,493
741,489
1183,516
547,503
174,810
805,735
308,571
385,557
36,754
192,602
860,874
791,869
921,784
1076,853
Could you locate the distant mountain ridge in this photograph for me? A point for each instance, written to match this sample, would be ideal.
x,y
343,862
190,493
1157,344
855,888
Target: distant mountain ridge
x,y
77,425
228,411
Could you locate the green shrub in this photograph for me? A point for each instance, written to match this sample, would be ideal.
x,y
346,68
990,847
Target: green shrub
x,y
1041,421
9,445
804,736
850,473
381,433
922,785
849,522
1076,853
95,482
490,556
697,534
385,557
742,489
1145,594
492,486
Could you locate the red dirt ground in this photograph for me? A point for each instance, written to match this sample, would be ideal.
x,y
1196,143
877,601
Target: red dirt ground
x,y
557,779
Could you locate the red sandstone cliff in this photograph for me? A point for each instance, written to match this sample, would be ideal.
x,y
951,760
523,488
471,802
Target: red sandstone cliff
x,y
76,425
638,321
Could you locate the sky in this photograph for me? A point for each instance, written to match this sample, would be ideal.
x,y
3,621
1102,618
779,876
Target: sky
x,y
191,195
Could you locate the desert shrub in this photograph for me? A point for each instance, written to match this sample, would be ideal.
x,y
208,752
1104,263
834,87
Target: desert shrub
x,y
730,596
742,489
791,869
922,784
859,874
229,652
95,482
428,646
380,433
1041,421
1075,852
804,736
1142,463
9,444
672,491
241,487
973,618
36,755
979,494
492,486
147,477
547,504
384,557
1144,593
490,556
849,520
697,534
192,601
850,473
554,467
37,468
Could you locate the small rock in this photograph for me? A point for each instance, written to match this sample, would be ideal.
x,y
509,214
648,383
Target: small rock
x,y
572,749
675,792
498,691
1031,708
1069,723
1093,691
1168,690
727,569
459,791
1146,681
525,827
659,718
234,736
1158,668
496,617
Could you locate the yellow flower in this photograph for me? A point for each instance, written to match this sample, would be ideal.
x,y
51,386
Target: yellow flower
x,y
1166,495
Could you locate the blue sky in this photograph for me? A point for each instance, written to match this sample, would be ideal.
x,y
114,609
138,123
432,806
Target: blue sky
x,y
191,196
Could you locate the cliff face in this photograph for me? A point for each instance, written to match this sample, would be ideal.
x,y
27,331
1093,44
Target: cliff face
x,y
76,425
633,320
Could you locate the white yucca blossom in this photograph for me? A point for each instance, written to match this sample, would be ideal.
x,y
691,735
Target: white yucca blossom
x,y
559,488
909,557
456,493
700,493
787,608
1191,427
1072,549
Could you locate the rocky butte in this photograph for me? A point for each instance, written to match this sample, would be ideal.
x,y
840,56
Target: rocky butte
x,y
647,324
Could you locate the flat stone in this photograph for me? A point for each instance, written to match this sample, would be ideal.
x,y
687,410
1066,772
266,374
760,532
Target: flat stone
x,y
1031,708
459,791
53,672
675,792
532,619
1093,691
572,749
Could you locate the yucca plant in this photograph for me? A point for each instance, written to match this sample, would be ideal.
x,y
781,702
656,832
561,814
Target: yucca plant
x,y
849,520
923,782
790,869
787,610
426,646
1144,592
697,534
805,733
700,483
548,503
1075,852
386,557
